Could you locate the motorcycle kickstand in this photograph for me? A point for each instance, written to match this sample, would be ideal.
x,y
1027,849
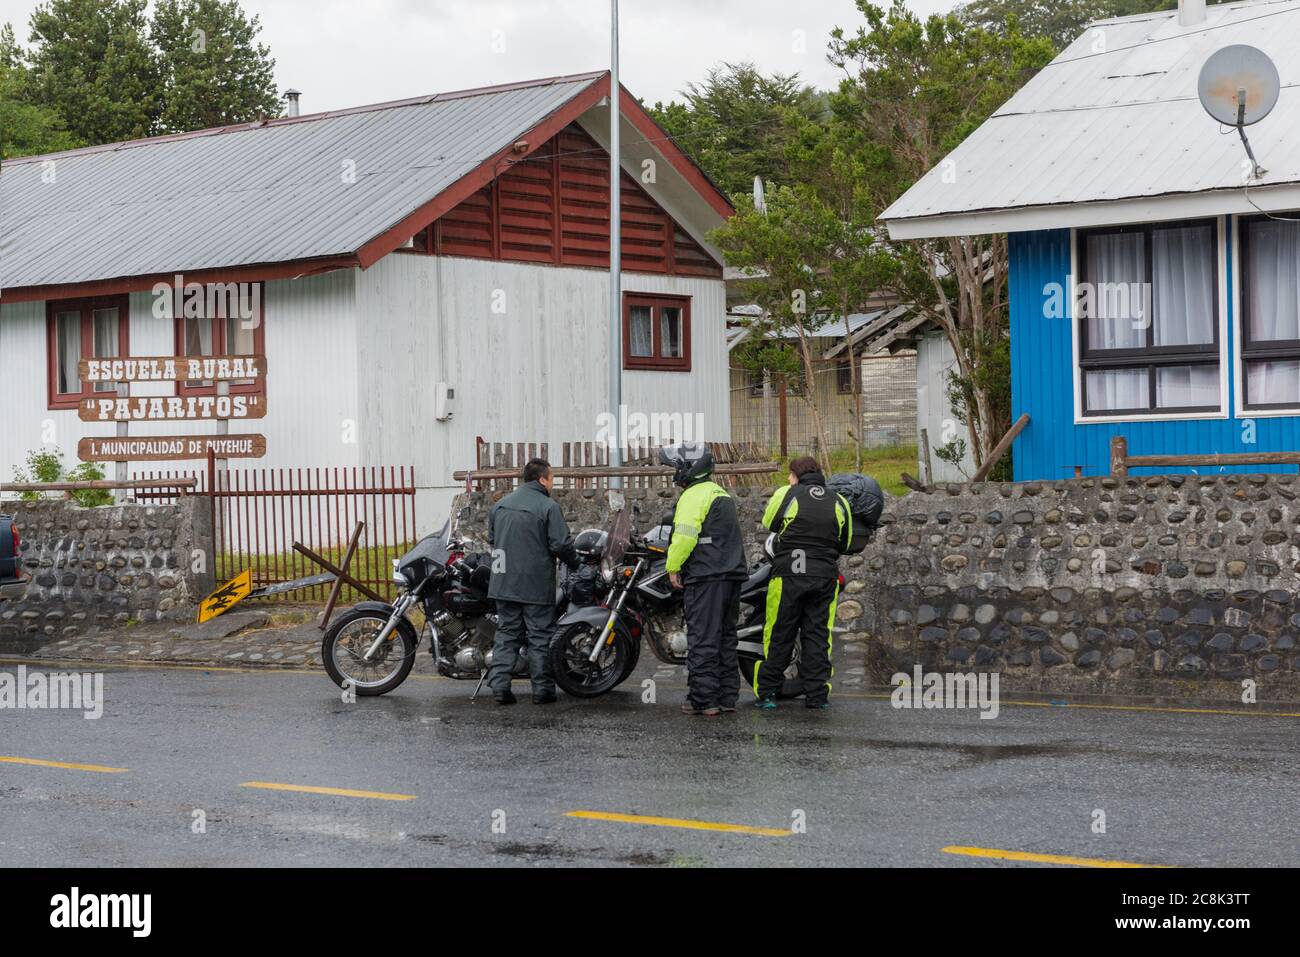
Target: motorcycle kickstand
x,y
482,676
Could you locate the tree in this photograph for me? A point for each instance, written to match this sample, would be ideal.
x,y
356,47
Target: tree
x,y
783,251
214,72
25,129
1061,21
914,92
739,123
92,64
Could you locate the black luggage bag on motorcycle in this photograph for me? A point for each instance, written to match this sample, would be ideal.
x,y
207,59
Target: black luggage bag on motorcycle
x,y
866,505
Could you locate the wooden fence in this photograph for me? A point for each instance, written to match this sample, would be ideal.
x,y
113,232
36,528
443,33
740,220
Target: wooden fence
x,y
585,465
1121,461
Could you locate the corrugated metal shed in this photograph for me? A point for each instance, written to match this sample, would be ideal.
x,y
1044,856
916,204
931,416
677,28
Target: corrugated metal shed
x,y
1116,116
254,194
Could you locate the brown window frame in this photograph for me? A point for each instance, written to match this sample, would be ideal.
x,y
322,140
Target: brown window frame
x,y
62,401
219,348
658,362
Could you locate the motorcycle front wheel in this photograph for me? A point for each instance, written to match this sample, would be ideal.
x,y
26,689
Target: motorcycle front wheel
x,y
576,674
344,647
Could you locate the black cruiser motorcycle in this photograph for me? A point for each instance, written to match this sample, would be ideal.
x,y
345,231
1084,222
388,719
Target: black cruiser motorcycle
x,y
371,648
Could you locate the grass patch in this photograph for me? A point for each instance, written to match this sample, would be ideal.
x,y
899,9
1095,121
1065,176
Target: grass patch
x,y
373,566
886,466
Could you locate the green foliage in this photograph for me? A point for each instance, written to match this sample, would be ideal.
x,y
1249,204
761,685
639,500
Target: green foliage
x,y
92,63
739,123
1060,21
214,70
915,90
100,71
25,129
45,467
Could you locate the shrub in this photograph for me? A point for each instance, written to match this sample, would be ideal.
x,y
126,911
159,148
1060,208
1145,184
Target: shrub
x,y
45,467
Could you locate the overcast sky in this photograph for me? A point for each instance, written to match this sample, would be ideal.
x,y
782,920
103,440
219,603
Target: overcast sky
x,y
343,52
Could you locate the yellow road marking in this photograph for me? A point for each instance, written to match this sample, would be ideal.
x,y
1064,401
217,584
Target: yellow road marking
x,y
678,822
992,852
337,792
36,762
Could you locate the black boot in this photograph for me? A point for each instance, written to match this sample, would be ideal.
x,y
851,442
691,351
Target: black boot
x,y
506,697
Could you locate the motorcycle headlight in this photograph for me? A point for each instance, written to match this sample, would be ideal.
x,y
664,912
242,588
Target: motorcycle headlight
x,y
399,579
607,573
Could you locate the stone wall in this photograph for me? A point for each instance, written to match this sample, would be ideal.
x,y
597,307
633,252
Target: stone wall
x,y
104,567
1174,585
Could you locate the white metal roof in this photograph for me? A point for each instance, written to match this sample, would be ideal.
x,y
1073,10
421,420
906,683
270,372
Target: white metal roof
x,y
1115,119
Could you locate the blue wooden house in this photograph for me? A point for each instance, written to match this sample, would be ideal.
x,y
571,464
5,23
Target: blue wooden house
x,y
1154,278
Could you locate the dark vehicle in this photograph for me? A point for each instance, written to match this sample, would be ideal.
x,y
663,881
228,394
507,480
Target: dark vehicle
x,y
597,645
371,648
13,581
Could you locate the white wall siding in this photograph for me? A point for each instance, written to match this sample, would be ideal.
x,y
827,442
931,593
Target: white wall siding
x,y
934,360
311,391
536,371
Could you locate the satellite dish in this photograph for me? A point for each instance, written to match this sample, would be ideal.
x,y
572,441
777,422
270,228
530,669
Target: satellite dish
x,y
1239,85
760,196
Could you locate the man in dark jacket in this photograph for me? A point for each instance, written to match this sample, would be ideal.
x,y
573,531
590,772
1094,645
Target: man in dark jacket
x,y
527,533
813,527
706,557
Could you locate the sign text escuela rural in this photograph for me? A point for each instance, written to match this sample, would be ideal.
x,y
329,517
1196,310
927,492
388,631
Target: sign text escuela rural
x,y
122,408
172,369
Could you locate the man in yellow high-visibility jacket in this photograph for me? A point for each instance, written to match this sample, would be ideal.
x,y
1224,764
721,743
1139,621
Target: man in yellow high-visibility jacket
x,y
706,557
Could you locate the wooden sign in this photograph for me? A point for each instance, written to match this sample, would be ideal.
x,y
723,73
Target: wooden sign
x,y
188,408
171,448
226,597
172,369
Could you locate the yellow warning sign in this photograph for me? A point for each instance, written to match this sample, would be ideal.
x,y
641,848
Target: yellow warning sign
x,y
226,597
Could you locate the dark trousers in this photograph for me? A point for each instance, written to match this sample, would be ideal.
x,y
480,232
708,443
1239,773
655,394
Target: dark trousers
x,y
711,610
798,609
519,624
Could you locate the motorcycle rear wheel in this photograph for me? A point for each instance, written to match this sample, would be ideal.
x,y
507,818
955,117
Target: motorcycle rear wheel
x,y
576,675
346,642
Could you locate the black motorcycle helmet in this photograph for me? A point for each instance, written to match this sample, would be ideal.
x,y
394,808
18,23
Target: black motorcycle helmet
x,y
590,545
691,460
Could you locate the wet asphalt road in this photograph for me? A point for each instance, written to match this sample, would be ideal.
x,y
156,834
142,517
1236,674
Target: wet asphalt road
x,y
873,785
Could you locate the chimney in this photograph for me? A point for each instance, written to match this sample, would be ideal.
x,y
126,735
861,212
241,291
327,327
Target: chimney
x,y
293,97
1191,13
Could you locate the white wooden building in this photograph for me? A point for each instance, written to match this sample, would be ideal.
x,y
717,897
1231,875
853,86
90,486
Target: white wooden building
x,y
401,253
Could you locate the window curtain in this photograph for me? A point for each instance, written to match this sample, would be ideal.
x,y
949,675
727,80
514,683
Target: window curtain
x,y
670,323
1184,276
1116,268
1111,390
642,330
1273,277
106,344
68,333
1274,383
1183,387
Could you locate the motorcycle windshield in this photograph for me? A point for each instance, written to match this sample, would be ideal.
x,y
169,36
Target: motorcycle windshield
x,y
433,549
620,532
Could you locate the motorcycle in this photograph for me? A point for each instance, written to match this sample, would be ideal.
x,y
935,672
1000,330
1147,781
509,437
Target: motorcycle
x,y
596,646
371,648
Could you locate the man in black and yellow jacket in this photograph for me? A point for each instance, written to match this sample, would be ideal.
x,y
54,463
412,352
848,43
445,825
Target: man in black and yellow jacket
x,y
706,557
813,528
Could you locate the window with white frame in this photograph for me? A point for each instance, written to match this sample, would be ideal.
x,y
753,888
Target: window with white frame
x,y
1270,333
1148,308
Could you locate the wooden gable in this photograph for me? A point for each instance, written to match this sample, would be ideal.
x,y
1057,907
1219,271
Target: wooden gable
x,y
553,207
